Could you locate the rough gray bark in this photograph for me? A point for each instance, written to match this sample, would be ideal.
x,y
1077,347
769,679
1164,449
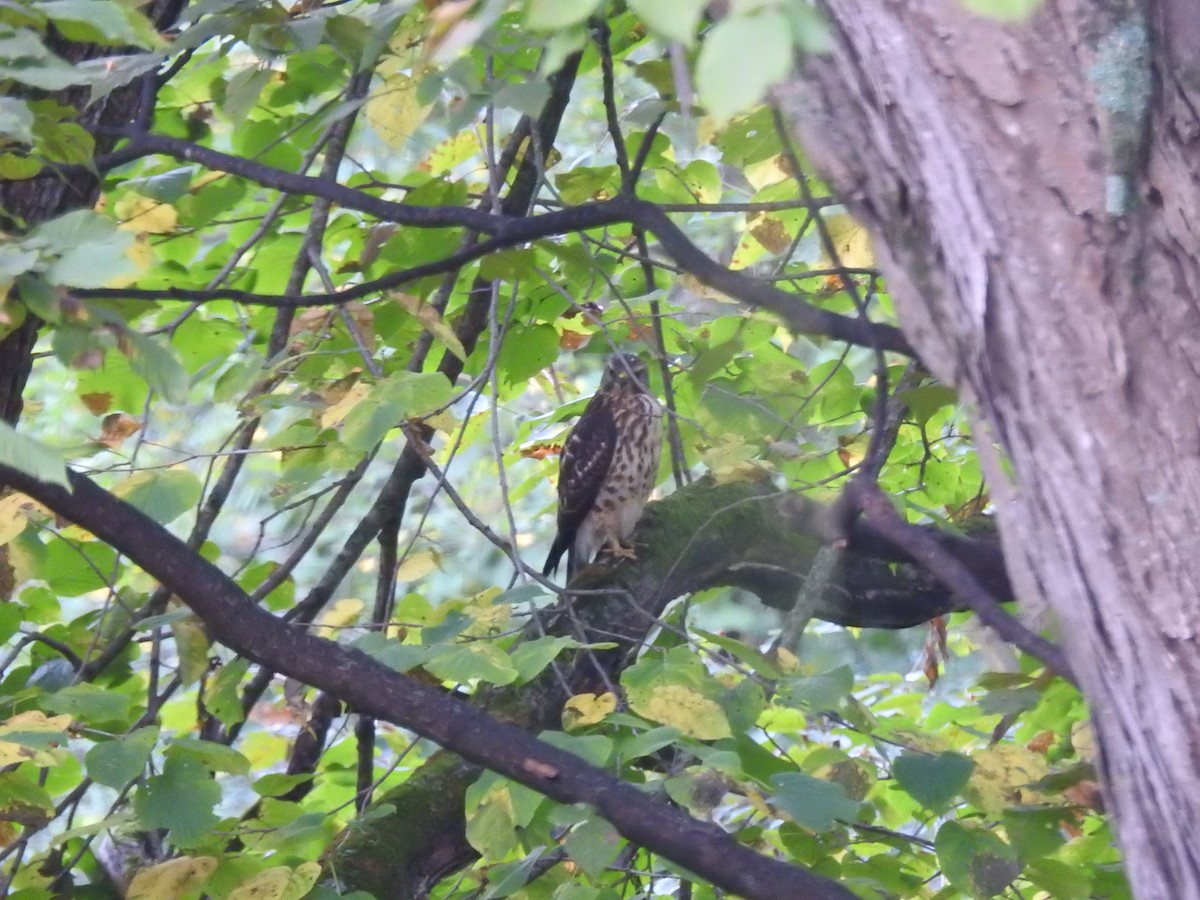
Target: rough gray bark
x,y
1034,189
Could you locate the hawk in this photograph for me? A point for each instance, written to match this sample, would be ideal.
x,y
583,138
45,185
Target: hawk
x,y
608,468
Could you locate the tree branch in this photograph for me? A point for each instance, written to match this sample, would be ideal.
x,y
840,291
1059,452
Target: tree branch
x,y
506,230
372,689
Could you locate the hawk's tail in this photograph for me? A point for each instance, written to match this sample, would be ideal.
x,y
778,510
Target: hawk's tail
x,y
562,542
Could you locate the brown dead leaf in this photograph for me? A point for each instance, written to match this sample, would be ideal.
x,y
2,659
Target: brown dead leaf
x,y
115,428
337,390
1041,742
771,233
640,332
97,403
541,451
1086,794
573,340
935,651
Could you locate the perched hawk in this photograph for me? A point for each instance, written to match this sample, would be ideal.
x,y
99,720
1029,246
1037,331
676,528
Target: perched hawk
x,y
608,468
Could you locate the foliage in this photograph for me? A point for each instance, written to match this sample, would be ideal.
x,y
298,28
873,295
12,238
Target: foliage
x,y
263,435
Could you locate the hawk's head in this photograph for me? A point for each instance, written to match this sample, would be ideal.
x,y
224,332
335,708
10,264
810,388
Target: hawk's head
x,y
625,373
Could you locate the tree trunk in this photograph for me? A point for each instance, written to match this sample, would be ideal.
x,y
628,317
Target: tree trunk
x,y
1034,191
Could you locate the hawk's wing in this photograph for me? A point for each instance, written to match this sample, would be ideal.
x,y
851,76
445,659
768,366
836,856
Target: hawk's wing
x,y
586,458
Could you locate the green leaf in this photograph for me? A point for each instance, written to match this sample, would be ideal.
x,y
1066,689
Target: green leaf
x,y
530,657
675,20
594,845
975,860
933,781
391,401
818,692
159,364
743,653
277,784
216,757
31,457
116,763
729,79
99,22
677,690
595,748
463,663
16,120
181,800
548,15
1062,881
223,697
74,569
162,494
812,802
491,828
89,251
89,702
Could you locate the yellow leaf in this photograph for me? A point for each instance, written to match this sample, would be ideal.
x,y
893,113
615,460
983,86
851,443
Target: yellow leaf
x,y
172,879
452,152
767,172
334,415
432,322
12,516
417,565
142,255
1002,777
688,710
146,216
393,108
587,709
278,883
35,721
787,661
344,612
852,242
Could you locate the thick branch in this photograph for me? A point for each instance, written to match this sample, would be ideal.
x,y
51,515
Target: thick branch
x,y
372,689
744,534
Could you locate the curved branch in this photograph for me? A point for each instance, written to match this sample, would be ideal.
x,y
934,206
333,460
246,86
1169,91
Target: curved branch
x,y
505,231
372,689
743,533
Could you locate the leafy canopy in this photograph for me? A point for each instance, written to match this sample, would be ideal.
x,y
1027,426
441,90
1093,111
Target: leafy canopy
x,y
190,360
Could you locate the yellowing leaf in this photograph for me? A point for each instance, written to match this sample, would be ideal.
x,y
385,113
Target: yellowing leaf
x,y
146,216
432,322
172,879
852,242
688,710
278,883
733,459
1002,777
452,152
38,723
35,720
344,612
12,517
417,565
393,108
142,255
339,410
587,709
